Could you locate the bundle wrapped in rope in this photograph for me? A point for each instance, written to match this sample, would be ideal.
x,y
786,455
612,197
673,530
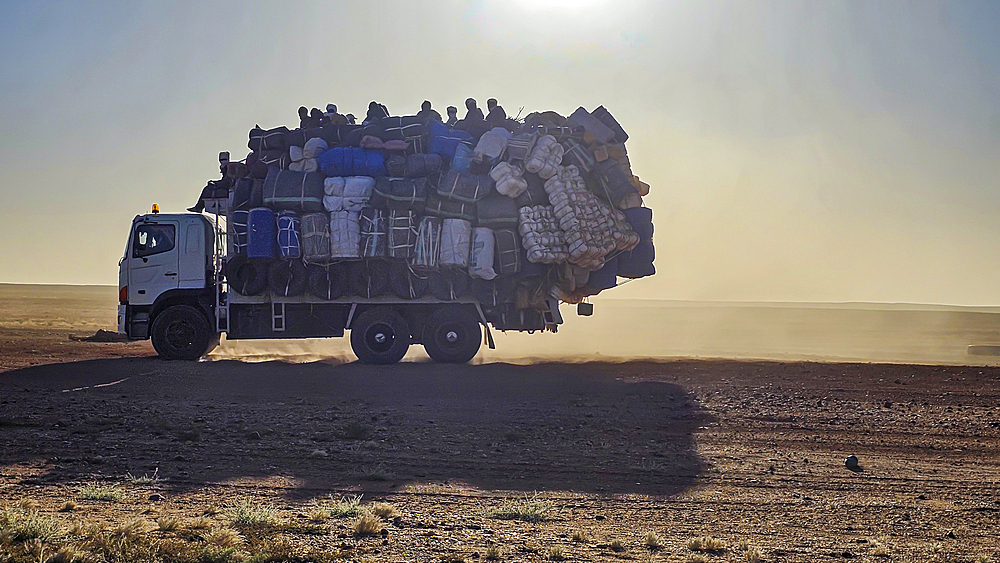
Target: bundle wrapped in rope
x,y
481,254
545,157
497,212
289,245
400,193
351,161
508,252
428,247
464,186
402,234
587,223
444,208
345,234
509,179
347,194
456,237
541,235
237,232
293,191
304,158
414,165
373,233
316,238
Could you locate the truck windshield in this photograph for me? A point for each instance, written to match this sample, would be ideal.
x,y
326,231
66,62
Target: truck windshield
x,y
152,239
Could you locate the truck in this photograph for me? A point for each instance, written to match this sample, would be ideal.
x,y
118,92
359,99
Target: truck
x,y
173,291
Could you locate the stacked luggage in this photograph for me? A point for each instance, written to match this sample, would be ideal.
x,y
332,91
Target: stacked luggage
x,y
509,216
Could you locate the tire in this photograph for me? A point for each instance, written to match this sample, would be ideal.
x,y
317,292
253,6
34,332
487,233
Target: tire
x,y
287,278
368,278
247,276
327,282
404,283
452,336
380,336
181,332
448,285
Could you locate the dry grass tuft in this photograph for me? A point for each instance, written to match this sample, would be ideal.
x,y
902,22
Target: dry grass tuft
x,y
696,558
249,513
367,524
372,473
580,536
617,546
341,507
880,548
707,544
211,510
493,553
528,509
983,558
753,555
69,506
68,554
199,523
224,538
145,479
653,541
105,493
383,510
27,504
554,553
27,525
168,523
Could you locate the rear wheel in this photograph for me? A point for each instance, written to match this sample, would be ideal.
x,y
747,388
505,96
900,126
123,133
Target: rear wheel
x,y
452,335
380,336
181,332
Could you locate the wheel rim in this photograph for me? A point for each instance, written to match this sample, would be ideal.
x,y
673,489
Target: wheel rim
x,y
180,335
451,337
380,337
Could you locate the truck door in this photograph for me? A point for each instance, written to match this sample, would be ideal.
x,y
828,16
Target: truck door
x,y
152,261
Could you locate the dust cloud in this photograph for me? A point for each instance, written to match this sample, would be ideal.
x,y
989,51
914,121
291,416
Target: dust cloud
x,y
620,329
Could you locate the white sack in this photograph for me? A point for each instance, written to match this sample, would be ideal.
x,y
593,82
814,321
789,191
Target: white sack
x,y
545,157
509,179
456,238
481,256
357,192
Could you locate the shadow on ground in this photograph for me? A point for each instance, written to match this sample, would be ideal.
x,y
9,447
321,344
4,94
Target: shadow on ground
x,y
594,427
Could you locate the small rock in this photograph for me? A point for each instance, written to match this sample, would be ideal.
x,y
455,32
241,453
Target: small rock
x,y
851,462
950,534
599,517
319,453
921,497
156,497
385,532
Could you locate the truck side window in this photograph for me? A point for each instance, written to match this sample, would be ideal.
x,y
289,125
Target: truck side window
x,y
152,239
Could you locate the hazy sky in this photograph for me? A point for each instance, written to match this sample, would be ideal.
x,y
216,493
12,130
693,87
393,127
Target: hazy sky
x,y
820,151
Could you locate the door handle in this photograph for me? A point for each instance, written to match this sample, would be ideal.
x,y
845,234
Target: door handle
x,y
170,274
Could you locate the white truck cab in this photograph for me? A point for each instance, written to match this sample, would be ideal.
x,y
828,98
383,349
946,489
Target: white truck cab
x,y
167,264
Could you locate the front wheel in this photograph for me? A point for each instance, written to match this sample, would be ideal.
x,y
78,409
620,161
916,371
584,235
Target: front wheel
x,y
452,336
181,332
380,336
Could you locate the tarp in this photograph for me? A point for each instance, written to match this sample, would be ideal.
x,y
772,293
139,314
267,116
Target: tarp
x,y
269,139
438,206
497,212
413,166
400,193
464,186
351,193
507,257
351,161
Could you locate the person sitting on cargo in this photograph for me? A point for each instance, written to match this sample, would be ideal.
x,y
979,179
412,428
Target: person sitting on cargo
x,y
317,117
305,122
497,116
452,116
332,117
474,113
375,114
351,120
427,114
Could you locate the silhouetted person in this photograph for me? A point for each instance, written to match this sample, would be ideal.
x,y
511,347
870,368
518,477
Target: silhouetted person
x,y
428,114
317,118
497,116
473,113
304,119
452,116
351,120
332,117
375,114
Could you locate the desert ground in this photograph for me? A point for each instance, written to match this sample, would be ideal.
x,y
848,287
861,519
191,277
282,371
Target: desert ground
x,y
726,441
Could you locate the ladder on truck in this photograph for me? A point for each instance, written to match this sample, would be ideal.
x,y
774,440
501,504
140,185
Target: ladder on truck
x,y
219,209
